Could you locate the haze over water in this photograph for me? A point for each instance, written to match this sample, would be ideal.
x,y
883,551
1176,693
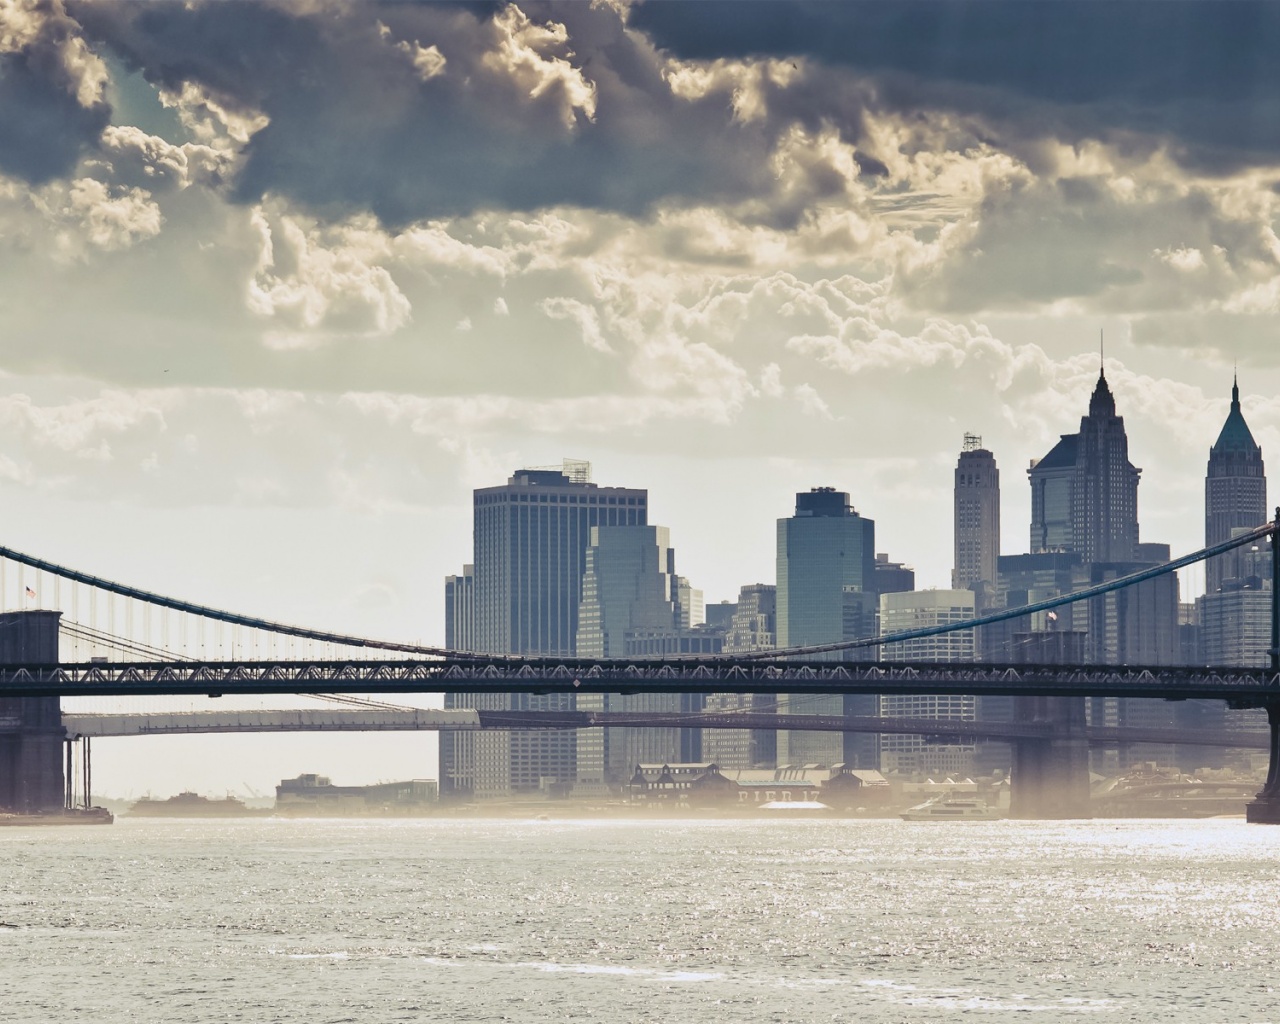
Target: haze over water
x,y
630,921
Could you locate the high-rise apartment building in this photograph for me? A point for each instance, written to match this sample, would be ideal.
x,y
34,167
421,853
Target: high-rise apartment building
x,y
1235,493
922,609
977,520
1084,493
528,559
825,549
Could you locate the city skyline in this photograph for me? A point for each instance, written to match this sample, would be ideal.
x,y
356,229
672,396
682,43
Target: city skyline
x,y
263,332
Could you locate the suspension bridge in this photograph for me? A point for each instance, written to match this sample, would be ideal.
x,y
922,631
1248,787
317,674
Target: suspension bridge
x,y
80,635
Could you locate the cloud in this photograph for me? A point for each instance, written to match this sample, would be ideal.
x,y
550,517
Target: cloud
x,y
312,282
52,86
527,53
135,157
526,106
1101,70
83,427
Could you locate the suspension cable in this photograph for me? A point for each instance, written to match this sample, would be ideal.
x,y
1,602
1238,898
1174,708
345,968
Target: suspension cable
x,y
233,618
1265,530
1257,533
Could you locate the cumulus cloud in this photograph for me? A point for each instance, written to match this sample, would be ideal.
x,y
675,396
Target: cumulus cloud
x,y
139,158
527,52
517,107
52,106
73,221
83,428
313,282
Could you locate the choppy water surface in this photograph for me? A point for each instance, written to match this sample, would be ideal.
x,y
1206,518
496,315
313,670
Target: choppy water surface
x,y
793,921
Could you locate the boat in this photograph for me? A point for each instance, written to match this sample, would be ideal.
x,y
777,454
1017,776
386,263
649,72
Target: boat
x,y
70,816
193,805
952,808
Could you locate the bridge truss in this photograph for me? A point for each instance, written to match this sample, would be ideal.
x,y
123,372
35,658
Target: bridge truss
x,y
1246,687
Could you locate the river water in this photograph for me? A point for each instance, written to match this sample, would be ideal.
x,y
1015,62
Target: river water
x,y
637,921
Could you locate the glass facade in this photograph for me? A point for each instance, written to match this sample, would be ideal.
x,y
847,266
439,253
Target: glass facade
x,y
911,755
529,557
825,549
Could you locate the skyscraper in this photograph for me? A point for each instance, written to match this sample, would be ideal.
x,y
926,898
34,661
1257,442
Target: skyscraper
x,y
825,547
922,609
1235,612
530,546
753,628
977,520
1084,493
1084,500
823,550
629,587
628,584
528,556
459,611
1235,493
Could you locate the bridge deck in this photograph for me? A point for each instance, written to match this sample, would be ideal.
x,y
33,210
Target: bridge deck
x,y
1251,687
312,720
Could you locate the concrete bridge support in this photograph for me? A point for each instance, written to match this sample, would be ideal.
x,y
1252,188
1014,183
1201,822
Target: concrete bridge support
x,y
1051,776
31,732
1265,808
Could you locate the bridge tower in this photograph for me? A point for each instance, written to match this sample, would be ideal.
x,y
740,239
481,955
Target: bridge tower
x,y
1051,776
31,732
1265,808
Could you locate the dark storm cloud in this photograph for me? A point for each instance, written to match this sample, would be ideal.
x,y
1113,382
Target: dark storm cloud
x,y
353,126
44,126
1203,73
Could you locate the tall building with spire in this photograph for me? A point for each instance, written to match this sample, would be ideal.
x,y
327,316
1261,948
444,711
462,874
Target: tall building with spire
x,y
1084,493
977,519
1235,493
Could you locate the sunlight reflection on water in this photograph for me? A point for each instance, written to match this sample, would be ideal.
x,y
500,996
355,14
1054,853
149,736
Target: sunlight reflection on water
x,y
796,921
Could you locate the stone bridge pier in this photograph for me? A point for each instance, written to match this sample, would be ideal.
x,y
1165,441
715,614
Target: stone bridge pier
x,y
31,732
1050,776
1265,808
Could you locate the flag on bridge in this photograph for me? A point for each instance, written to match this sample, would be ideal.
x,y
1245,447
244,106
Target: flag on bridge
x,y
30,592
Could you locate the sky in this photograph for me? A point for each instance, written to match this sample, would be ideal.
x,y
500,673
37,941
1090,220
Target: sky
x,y
281,283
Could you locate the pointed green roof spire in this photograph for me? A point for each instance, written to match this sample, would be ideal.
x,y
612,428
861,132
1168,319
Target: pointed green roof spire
x,y
1235,434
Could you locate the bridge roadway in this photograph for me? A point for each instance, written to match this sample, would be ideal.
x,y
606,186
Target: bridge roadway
x,y
1246,687
378,720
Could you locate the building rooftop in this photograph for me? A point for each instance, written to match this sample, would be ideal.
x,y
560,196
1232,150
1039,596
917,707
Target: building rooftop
x,y
1235,435
1062,455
